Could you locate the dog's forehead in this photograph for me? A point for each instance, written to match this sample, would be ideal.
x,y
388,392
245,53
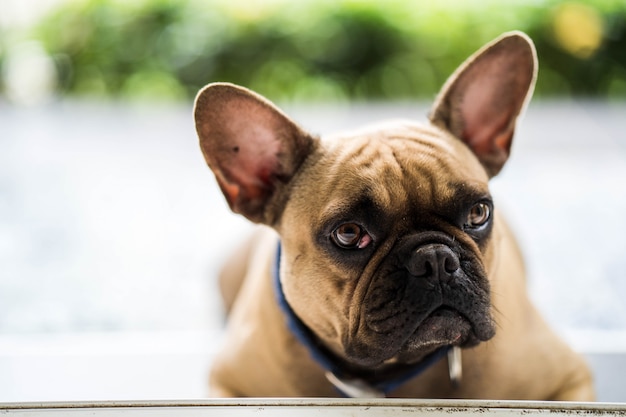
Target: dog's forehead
x,y
394,127
376,141
395,168
396,156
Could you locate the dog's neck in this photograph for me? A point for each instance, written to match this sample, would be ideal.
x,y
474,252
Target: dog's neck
x,y
349,381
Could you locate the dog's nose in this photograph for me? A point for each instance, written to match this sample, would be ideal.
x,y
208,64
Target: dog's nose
x,y
434,261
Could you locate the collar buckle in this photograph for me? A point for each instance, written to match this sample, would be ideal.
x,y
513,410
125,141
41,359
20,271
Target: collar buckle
x,y
455,366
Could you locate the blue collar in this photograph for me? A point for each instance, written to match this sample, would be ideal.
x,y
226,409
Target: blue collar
x,y
348,385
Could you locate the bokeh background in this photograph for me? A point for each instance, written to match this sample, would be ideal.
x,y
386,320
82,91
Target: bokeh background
x,y
111,226
308,50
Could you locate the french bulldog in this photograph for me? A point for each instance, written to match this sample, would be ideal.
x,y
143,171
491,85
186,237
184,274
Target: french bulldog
x,y
384,254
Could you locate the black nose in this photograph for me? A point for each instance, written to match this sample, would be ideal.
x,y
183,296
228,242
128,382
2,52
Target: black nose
x,y
434,261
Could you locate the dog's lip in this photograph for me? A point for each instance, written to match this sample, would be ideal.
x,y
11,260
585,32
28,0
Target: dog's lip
x,y
444,326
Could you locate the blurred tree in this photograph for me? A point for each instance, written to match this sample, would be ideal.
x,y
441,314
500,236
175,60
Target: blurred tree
x,y
324,50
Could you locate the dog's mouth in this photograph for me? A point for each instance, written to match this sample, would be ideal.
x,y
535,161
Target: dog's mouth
x,y
444,327
405,317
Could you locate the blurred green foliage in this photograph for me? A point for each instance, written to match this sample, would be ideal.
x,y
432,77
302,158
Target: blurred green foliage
x,y
324,50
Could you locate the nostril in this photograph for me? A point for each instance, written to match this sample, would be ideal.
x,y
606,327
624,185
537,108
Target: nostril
x,y
423,263
421,267
451,262
427,269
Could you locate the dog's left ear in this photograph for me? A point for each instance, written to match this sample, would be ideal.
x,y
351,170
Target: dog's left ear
x,y
481,101
253,149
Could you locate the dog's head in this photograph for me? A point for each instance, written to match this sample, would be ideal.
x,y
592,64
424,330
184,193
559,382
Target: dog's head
x,y
386,232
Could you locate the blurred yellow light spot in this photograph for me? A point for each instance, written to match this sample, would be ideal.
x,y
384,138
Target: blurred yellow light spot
x,y
251,11
578,29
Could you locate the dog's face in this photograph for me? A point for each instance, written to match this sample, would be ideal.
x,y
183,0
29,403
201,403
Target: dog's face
x,y
386,233
388,243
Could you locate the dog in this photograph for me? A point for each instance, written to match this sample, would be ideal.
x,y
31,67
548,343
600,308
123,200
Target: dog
x,y
384,253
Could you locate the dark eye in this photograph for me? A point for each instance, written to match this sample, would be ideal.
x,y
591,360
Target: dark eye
x,y
478,216
351,236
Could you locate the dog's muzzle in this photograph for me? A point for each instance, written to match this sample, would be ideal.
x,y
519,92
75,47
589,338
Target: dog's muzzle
x,y
431,291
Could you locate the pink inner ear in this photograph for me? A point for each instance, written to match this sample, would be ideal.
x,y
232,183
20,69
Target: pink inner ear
x,y
253,152
487,119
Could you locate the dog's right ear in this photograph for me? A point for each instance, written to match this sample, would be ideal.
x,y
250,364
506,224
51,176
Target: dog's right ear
x,y
481,101
252,148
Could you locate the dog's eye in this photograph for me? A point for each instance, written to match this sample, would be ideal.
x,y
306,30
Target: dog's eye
x,y
351,236
479,215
